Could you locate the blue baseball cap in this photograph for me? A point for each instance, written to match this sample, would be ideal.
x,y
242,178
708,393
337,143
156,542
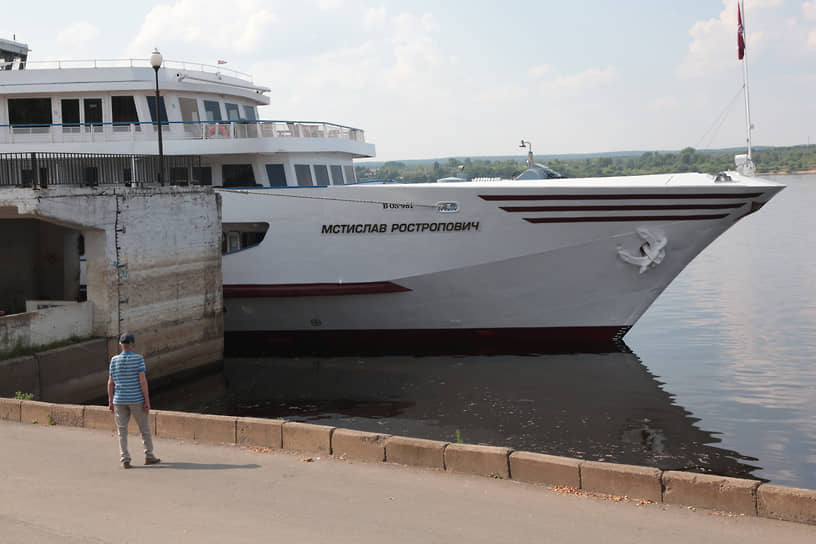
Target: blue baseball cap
x,y
127,338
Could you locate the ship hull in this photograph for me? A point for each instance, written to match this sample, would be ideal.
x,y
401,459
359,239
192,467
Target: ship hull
x,y
529,266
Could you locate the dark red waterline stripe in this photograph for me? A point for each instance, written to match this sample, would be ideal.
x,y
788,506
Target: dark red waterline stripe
x,y
416,341
311,289
622,218
638,207
621,196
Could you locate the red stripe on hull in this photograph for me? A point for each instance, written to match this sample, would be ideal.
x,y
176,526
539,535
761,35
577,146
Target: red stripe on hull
x,y
639,196
622,218
424,341
311,289
643,207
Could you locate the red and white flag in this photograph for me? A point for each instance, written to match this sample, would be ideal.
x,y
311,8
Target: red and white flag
x,y
224,62
740,35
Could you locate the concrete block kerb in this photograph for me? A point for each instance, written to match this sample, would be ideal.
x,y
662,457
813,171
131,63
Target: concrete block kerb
x,y
359,445
307,437
709,491
259,432
628,480
482,460
539,468
787,503
416,452
10,409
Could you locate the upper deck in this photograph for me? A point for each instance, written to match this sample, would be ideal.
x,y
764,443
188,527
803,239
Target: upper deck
x,y
110,105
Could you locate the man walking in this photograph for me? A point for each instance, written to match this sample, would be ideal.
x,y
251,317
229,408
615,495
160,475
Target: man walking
x,y
128,395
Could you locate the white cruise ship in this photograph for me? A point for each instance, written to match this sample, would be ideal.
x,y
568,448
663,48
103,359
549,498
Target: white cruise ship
x,y
315,260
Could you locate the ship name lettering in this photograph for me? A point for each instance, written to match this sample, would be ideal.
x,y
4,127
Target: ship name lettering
x,y
382,228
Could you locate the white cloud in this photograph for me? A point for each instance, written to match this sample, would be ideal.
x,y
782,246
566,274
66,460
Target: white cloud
x,y
204,23
713,46
80,32
593,77
812,39
539,71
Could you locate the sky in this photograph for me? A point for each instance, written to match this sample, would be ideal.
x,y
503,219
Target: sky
x,y
468,78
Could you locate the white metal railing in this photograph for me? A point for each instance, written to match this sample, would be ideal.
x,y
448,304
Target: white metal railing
x,y
131,63
175,130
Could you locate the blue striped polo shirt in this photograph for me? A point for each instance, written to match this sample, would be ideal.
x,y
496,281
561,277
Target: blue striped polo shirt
x,y
124,369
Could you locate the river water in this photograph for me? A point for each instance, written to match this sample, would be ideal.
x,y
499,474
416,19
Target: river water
x,y
718,376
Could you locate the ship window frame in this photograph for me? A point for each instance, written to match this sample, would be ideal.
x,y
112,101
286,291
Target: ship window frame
x,y
321,173
305,180
127,119
36,116
207,110
272,171
335,169
349,169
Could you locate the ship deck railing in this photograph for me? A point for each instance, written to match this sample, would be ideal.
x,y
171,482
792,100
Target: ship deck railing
x,y
174,130
122,63
40,170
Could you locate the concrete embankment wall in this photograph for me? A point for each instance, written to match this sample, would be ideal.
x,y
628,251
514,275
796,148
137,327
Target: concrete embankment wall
x,y
746,497
153,265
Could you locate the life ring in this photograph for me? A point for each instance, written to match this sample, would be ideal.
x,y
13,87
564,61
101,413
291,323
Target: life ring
x,y
221,129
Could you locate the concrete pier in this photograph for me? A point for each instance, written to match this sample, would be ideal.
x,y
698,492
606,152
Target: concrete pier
x,y
152,258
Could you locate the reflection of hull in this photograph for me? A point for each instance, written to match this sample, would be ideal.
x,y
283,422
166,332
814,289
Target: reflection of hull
x,y
591,406
532,261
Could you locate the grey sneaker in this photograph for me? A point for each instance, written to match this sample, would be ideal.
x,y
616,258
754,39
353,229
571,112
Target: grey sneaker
x,y
152,460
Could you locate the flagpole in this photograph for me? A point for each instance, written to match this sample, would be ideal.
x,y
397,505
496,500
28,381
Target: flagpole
x,y
748,125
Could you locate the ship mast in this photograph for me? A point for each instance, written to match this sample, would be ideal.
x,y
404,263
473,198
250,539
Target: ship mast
x,y
745,163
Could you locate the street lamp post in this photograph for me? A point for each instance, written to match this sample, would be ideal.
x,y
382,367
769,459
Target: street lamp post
x,y
156,62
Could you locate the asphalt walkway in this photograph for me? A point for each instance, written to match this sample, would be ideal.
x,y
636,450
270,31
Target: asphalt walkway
x,y
64,485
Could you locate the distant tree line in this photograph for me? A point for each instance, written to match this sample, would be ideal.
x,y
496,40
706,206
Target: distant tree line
x,y
768,161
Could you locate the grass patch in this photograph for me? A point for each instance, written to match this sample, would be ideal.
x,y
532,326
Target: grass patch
x,y
21,350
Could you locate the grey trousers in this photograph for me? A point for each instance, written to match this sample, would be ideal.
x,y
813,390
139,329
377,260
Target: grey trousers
x,y
122,413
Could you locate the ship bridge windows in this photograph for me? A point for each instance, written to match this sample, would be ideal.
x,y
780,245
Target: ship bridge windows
x,y
151,105
238,236
303,172
212,110
336,174
30,111
70,115
321,174
123,114
250,113
233,113
276,174
349,170
190,116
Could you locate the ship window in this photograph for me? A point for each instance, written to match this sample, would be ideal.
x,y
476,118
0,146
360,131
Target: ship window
x,y
232,111
189,114
321,174
202,175
93,111
212,110
70,115
304,175
123,112
151,104
349,170
235,236
237,175
249,113
337,174
29,111
276,175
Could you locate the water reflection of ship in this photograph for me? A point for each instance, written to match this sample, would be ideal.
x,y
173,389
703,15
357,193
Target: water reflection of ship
x,y
597,406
